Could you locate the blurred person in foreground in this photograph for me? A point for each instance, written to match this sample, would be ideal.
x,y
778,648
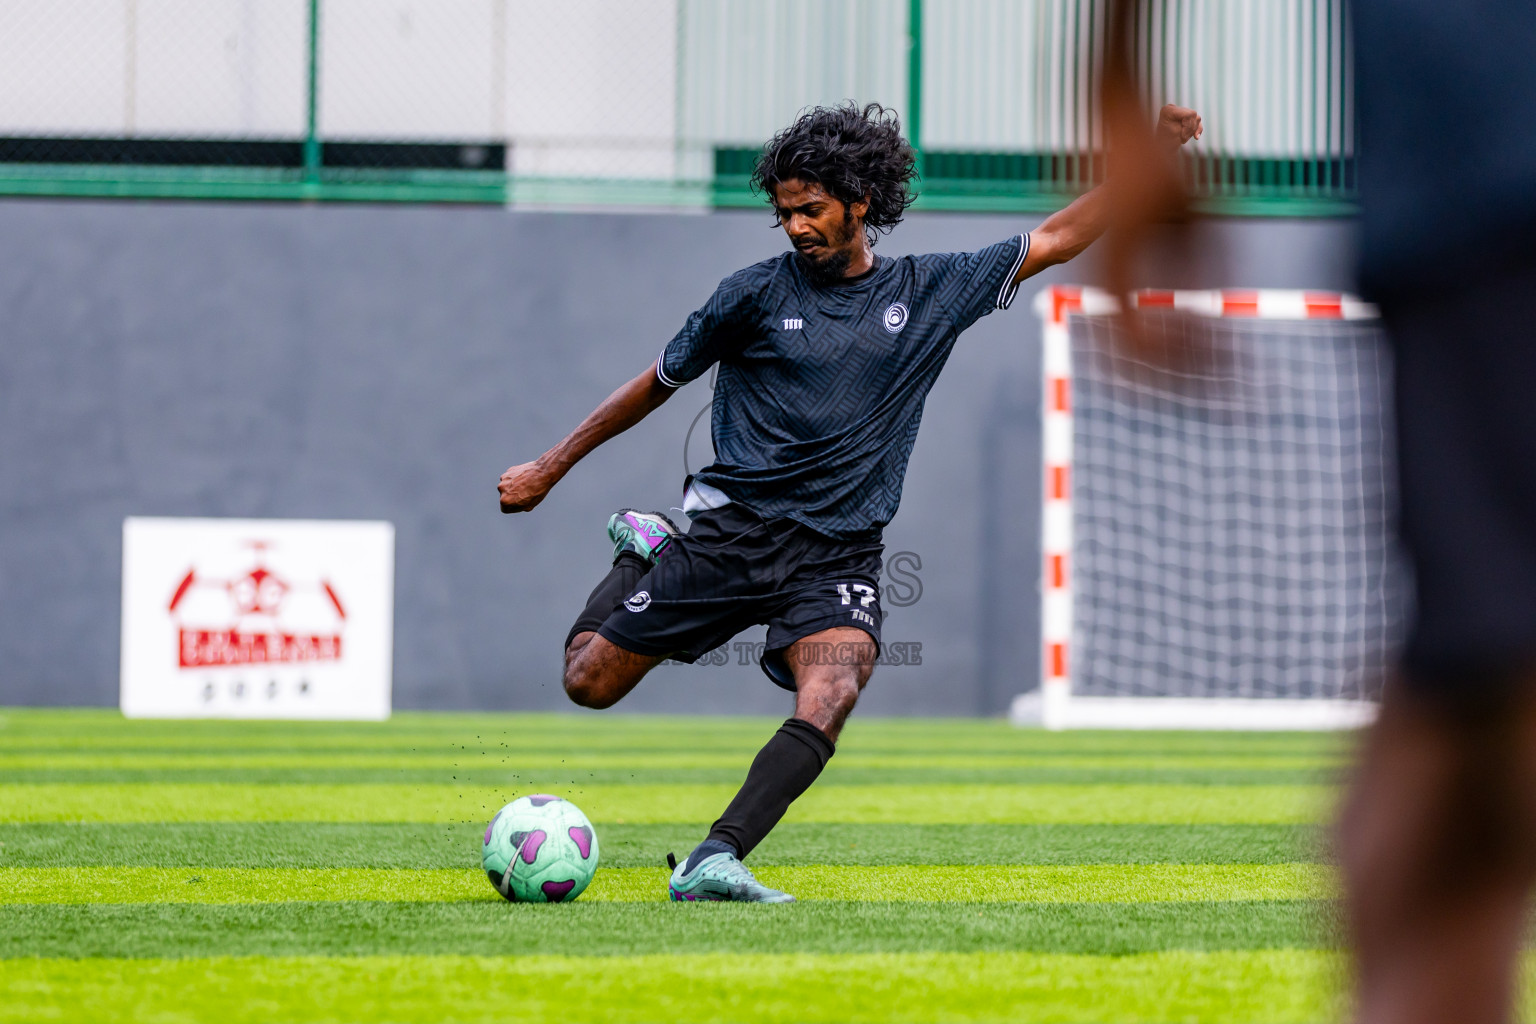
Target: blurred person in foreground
x,y
826,355
1437,837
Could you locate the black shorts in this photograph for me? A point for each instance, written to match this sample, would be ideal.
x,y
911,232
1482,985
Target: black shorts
x,y
1466,422
733,570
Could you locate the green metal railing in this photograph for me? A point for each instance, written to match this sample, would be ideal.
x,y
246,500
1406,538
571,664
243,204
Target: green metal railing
x,y
998,98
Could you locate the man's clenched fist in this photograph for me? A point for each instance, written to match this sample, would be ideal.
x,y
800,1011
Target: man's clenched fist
x,y
523,487
1178,124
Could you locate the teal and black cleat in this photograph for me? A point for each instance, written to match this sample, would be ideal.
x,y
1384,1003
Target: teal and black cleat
x,y
721,877
647,534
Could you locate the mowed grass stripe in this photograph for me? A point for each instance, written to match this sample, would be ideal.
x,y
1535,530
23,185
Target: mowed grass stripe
x,y
1272,986
99,729
1019,883
1020,750
539,782
622,929
424,845
536,783
158,760
936,804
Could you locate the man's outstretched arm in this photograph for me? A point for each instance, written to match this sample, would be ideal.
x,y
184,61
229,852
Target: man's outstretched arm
x,y
1069,231
523,487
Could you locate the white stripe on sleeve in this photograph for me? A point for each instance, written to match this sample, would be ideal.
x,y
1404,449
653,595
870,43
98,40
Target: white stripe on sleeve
x,y
661,374
1010,287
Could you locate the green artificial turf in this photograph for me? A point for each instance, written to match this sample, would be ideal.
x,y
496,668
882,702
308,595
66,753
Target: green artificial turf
x,y
947,871
618,929
990,883
287,844
938,804
499,766
102,729
572,781
1230,987
152,760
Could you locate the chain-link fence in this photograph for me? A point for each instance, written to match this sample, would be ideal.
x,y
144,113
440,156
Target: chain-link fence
x,y
644,102
252,98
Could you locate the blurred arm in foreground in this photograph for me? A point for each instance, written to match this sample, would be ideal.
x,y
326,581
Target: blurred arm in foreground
x,y
1066,233
1145,190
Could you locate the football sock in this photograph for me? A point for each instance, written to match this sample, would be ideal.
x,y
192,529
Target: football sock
x,y
621,580
782,770
708,848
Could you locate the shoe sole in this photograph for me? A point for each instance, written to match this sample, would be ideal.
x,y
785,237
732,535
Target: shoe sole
x,y
688,897
665,542
659,515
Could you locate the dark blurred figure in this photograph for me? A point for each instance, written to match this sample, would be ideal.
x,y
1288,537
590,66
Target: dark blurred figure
x,y
1438,834
1438,837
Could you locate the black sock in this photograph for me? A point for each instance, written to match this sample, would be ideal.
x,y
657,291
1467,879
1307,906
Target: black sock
x,y
708,848
621,580
782,770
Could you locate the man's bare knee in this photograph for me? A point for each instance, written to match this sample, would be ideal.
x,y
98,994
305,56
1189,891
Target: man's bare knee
x,y
578,686
598,673
835,690
826,698
582,684
831,668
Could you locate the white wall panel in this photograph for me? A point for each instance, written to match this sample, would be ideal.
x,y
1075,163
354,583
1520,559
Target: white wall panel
x,y
63,67
750,65
409,69
220,67
592,88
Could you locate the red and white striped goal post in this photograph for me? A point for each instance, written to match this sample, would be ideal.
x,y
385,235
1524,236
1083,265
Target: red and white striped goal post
x,y
1055,706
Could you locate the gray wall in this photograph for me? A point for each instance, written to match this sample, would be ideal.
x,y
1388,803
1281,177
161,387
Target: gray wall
x,y
388,363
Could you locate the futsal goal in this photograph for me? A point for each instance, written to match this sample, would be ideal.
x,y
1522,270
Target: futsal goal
x,y
1217,530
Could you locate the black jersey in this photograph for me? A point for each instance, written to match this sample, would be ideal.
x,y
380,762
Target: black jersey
x,y
821,386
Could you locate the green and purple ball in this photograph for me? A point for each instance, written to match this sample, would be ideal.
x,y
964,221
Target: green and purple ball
x,y
539,849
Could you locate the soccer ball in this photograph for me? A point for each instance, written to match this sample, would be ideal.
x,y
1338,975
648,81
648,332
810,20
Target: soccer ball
x,y
539,849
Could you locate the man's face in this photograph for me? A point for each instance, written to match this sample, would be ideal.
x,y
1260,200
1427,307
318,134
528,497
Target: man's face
x,y
826,232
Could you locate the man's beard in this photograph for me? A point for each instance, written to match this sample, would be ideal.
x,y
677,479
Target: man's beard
x,y
832,267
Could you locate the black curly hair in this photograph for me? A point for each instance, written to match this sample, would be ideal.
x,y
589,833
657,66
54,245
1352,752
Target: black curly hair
x,y
853,153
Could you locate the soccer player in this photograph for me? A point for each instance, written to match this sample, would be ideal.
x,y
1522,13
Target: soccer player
x,y
826,354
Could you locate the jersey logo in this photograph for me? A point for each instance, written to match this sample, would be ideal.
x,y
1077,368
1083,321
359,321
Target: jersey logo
x,y
895,317
793,323
640,602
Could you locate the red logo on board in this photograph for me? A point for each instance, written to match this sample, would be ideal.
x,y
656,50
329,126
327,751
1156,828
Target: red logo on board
x,y
253,632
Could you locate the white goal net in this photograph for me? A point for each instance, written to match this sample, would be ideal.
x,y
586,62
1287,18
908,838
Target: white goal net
x,y
1218,537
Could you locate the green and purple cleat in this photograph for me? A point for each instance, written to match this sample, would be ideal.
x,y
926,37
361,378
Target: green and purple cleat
x,y
720,878
647,534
